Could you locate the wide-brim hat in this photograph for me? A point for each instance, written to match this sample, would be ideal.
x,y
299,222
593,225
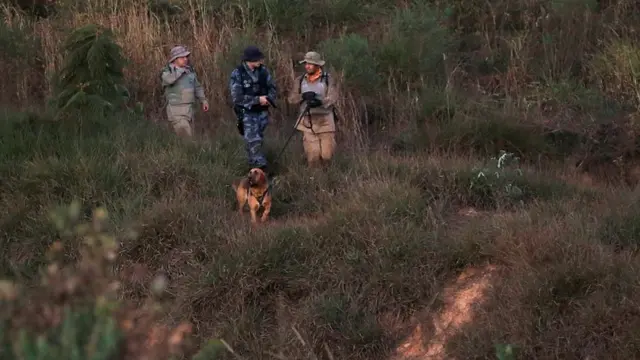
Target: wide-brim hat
x,y
252,53
177,52
314,58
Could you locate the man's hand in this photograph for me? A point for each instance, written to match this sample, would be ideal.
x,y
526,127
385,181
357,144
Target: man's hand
x,y
263,101
205,107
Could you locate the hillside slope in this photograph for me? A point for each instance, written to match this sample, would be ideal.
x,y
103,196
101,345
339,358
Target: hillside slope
x,y
351,254
372,258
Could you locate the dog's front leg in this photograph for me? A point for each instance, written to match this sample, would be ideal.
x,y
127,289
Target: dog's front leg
x,y
267,209
253,209
241,199
240,207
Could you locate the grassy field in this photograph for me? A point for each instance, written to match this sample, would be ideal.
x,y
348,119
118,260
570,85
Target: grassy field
x,y
358,254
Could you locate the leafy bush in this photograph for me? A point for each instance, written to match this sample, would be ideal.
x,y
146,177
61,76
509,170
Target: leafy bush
x,y
500,183
355,58
20,54
414,45
18,42
497,179
617,68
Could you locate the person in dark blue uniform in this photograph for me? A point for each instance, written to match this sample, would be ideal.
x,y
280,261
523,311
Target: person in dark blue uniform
x,y
253,91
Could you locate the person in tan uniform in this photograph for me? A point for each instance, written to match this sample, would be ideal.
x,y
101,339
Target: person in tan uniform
x,y
318,125
181,89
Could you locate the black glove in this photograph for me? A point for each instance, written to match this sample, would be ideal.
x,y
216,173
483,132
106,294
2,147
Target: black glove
x,y
308,96
314,103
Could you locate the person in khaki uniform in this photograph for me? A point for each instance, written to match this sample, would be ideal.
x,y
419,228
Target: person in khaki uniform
x,y
318,126
182,89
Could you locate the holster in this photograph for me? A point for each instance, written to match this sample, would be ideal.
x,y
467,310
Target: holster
x,y
239,119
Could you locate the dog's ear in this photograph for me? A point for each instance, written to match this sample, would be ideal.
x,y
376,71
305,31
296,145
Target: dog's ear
x,y
261,177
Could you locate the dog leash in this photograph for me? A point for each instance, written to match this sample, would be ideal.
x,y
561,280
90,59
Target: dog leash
x,y
306,111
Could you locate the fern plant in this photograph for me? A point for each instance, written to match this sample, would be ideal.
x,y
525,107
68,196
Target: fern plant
x,y
92,77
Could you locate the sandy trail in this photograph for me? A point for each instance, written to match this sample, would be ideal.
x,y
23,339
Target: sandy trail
x,y
460,297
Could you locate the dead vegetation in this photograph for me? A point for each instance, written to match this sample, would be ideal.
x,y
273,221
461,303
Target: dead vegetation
x,y
361,261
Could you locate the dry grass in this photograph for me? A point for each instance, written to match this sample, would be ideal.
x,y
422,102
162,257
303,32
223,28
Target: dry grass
x,y
357,253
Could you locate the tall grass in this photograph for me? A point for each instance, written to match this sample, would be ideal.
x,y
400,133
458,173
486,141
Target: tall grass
x,y
431,92
431,67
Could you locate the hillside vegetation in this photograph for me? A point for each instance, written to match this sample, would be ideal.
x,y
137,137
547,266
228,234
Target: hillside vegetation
x,y
471,133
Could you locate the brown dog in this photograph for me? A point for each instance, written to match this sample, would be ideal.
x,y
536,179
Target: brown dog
x,y
254,190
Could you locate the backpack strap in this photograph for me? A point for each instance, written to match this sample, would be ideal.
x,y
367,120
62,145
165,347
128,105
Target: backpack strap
x,y
262,80
324,77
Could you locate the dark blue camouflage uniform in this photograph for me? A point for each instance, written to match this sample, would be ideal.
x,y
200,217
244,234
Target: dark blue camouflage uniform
x,y
245,90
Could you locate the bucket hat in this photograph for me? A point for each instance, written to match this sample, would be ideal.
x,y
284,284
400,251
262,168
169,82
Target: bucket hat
x,y
178,51
314,58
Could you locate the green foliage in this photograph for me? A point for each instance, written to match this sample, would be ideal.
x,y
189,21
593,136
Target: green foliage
x,y
505,352
372,238
500,183
75,312
87,328
618,65
238,42
497,178
412,51
21,58
578,97
573,6
354,57
83,334
18,44
621,229
92,77
293,16
414,45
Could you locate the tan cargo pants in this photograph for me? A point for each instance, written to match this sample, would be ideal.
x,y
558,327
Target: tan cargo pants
x,y
181,119
318,147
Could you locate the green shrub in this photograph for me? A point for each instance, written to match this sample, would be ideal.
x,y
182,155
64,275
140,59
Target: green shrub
x,y
498,179
414,46
355,58
621,229
500,183
616,70
21,57
18,43
486,132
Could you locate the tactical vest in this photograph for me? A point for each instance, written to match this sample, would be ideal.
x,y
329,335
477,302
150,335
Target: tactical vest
x,y
324,77
254,88
183,91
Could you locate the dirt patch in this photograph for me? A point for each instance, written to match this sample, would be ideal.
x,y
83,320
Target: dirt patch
x,y
468,290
